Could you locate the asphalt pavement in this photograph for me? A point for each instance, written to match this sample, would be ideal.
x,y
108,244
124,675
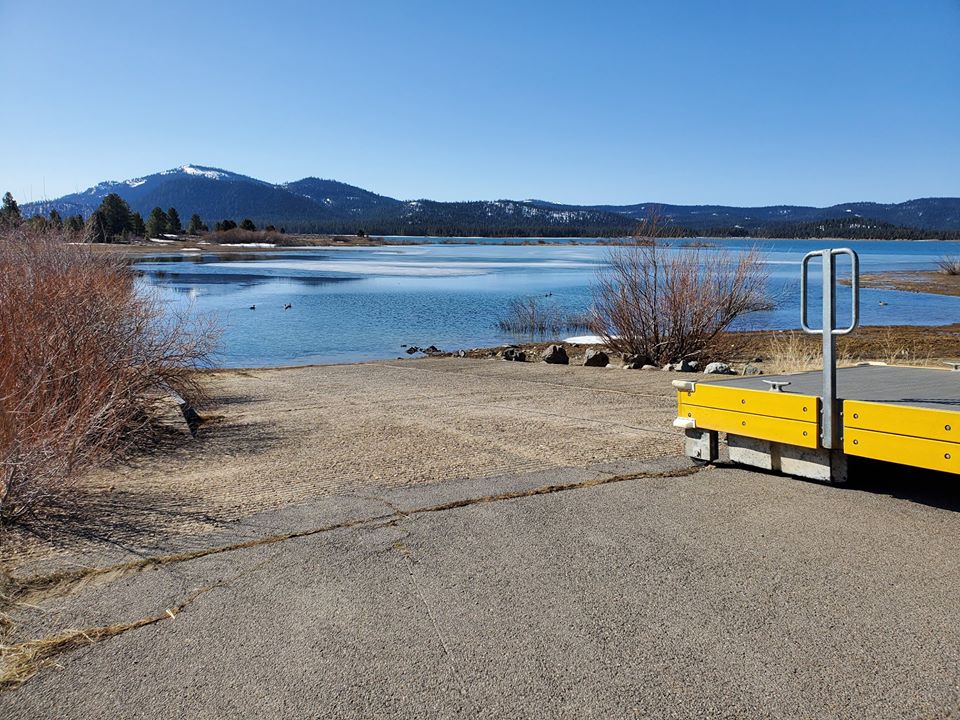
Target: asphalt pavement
x,y
573,593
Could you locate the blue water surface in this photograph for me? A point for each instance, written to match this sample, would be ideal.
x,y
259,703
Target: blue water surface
x,y
363,303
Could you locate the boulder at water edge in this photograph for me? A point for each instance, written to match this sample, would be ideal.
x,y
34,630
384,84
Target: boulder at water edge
x,y
596,358
718,368
556,355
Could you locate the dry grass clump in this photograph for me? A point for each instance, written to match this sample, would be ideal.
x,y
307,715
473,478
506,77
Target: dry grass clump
x,y
949,265
84,363
665,305
792,351
894,349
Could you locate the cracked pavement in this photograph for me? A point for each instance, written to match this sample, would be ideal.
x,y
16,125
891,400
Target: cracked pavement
x,y
473,539
719,593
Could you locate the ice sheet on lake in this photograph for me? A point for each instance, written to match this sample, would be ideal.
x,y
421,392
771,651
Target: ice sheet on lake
x,y
406,269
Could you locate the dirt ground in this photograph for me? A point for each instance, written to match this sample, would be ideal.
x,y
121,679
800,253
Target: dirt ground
x,y
281,436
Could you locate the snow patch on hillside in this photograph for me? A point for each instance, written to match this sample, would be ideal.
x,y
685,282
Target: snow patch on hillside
x,y
211,174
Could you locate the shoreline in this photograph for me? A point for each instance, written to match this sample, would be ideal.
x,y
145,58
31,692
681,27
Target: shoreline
x,y
310,241
868,342
932,282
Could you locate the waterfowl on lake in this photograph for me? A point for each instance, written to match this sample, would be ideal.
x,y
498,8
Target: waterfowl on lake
x,y
883,302
253,307
287,306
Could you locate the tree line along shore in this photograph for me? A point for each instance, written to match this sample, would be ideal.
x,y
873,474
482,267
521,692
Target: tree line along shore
x,y
114,221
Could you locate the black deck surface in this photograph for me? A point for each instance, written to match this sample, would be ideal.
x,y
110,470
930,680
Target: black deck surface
x,y
919,387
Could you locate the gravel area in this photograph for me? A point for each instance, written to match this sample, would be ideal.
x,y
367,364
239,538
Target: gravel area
x,y
287,435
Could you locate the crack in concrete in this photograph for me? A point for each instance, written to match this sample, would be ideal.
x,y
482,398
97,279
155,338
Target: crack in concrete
x,y
21,661
408,560
41,585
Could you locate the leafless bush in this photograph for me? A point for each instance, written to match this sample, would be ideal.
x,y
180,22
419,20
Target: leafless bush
x,y
949,265
530,316
84,363
666,305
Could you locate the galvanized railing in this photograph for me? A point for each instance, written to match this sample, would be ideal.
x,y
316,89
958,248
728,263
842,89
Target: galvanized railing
x,y
830,419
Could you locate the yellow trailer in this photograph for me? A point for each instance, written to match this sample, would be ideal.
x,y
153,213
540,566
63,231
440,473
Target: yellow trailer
x,y
808,424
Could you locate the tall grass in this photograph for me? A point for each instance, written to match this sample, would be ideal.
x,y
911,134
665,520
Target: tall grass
x,y
532,317
85,362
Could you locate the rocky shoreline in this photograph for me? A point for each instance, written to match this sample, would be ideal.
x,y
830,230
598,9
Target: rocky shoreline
x,y
740,353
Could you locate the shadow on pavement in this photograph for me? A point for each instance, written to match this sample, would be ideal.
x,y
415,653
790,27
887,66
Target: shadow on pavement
x,y
926,487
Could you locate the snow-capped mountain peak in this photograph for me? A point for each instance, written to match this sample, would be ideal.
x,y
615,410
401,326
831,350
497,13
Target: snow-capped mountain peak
x,y
210,173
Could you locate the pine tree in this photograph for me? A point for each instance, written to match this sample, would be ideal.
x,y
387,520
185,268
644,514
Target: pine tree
x,y
156,223
75,223
10,212
114,217
55,218
173,222
195,225
247,224
37,223
136,225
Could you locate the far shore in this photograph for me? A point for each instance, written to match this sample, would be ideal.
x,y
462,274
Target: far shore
x,y
296,241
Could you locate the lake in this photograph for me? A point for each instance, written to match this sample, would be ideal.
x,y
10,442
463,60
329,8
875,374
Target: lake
x,y
351,304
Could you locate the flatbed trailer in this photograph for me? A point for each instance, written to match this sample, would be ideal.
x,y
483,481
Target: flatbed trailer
x,y
808,424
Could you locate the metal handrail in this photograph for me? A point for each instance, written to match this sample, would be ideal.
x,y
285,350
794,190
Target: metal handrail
x,y
830,412
831,271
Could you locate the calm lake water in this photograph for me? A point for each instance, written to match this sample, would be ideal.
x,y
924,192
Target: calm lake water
x,y
365,303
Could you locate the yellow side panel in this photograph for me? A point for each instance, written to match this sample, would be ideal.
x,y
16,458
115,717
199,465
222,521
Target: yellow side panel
x,y
782,430
918,452
902,420
756,402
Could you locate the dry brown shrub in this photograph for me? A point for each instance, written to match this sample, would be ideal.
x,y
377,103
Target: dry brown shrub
x,y
85,361
665,305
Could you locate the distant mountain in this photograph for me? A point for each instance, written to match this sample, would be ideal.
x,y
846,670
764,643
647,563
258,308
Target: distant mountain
x,y
213,193
340,198
930,213
317,205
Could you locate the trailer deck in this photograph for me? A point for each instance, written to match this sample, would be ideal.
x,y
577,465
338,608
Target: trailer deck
x,y
904,415
809,423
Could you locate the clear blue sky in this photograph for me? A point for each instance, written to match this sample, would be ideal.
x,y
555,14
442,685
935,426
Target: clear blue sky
x,y
713,101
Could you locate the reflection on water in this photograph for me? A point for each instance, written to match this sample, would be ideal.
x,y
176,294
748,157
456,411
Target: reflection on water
x,y
363,303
